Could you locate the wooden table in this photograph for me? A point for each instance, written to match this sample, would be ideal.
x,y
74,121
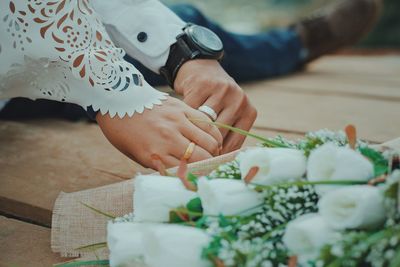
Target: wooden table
x,y
38,159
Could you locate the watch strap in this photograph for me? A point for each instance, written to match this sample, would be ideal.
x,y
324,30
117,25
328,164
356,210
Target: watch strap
x,y
180,53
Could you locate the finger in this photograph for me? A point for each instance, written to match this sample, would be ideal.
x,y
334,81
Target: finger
x,y
201,138
201,121
199,154
170,161
234,141
180,149
195,100
215,103
227,116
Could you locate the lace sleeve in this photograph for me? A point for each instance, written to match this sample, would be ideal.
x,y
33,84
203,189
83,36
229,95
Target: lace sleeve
x,y
59,50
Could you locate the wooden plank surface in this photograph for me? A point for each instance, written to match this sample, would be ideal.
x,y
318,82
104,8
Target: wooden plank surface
x,y
333,92
23,244
375,119
40,159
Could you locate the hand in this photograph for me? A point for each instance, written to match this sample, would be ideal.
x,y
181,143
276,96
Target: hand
x,y
205,82
166,131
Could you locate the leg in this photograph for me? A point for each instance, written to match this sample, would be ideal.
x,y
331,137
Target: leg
x,y
247,57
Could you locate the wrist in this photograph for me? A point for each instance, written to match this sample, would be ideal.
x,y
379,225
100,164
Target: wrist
x,y
192,68
195,42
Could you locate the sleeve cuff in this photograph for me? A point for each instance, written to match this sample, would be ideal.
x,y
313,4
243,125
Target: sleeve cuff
x,y
145,29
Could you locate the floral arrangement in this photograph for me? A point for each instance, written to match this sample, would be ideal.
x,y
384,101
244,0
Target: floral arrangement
x,y
326,200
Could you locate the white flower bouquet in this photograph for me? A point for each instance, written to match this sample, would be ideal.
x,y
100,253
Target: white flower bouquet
x,y
327,200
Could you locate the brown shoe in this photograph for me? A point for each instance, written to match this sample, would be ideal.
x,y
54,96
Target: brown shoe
x,y
341,26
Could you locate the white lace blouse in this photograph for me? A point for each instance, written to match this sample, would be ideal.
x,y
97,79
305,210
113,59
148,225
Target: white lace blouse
x,y
60,50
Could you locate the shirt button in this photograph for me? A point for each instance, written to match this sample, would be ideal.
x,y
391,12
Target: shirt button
x,y
142,37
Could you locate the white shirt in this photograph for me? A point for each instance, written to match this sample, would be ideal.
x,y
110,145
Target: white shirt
x,y
60,50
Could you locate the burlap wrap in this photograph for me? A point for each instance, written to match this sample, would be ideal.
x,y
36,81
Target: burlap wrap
x,y
75,225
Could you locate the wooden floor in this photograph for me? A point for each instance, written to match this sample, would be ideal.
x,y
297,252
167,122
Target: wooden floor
x,y
38,159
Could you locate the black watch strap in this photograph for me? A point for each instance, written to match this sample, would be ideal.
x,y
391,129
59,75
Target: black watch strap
x,y
181,53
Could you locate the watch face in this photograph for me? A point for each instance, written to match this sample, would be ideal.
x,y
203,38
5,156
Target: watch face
x,y
205,38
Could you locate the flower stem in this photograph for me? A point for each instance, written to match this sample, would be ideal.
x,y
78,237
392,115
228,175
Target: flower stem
x,y
266,141
303,183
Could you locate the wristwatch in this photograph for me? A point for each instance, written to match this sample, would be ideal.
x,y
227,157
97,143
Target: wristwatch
x,y
196,42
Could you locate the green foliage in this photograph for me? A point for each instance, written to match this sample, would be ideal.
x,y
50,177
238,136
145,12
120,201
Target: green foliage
x,y
194,205
192,178
381,165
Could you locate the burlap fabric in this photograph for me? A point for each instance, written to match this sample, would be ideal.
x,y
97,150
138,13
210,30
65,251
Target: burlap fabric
x,y
75,225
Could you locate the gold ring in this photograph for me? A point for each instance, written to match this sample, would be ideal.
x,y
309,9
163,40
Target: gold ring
x,y
189,151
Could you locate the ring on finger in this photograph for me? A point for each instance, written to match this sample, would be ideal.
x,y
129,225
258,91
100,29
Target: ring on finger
x,y
189,151
210,112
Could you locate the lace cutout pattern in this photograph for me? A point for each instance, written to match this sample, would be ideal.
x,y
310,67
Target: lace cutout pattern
x,y
86,47
78,41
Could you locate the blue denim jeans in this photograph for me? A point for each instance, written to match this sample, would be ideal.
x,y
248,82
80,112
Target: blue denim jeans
x,y
247,57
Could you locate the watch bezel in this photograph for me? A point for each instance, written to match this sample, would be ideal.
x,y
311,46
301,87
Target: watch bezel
x,y
190,32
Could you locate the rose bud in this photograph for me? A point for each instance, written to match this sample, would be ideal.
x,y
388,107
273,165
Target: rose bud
x,y
353,207
124,241
307,235
175,245
227,197
275,165
155,196
333,163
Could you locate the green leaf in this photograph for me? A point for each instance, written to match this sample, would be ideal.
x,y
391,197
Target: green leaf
x,y
381,165
84,263
201,223
223,221
192,178
99,211
194,205
174,217
395,262
92,247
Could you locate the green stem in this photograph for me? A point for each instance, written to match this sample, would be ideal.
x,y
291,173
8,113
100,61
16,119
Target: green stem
x,y
303,183
266,141
99,211
84,263
269,234
92,247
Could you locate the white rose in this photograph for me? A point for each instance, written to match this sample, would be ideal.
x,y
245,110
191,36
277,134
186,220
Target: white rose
x,y
227,197
155,196
175,245
125,243
276,165
353,207
306,236
332,163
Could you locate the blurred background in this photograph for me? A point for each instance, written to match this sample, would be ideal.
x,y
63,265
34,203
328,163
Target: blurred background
x,y
249,16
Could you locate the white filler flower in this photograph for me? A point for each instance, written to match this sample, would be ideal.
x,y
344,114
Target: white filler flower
x,y
124,241
227,197
353,207
175,245
155,196
306,235
276,165
332,163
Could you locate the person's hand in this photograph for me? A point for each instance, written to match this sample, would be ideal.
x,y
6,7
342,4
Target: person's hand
x,y
205,82
165,131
